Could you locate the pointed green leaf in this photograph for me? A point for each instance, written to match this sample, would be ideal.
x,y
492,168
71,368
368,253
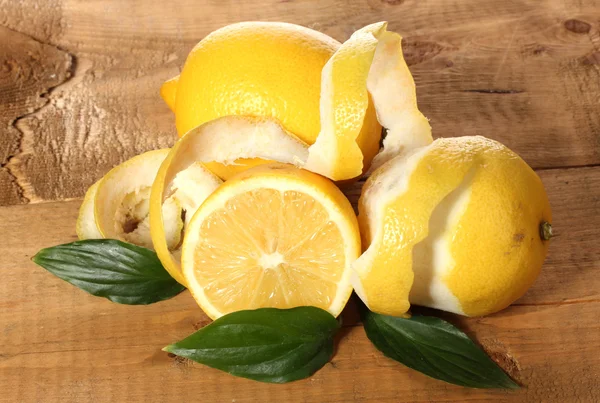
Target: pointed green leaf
x,y
122,272
267,345
436,348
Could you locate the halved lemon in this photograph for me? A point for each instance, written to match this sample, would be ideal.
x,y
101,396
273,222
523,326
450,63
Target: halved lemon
x,y
272,236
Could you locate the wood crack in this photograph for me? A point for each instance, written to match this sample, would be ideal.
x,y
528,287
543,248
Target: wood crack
x,y
594,58
494,91
583,166
560,303
35,70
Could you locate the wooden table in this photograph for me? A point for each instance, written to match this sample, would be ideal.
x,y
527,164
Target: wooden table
x,y
79,87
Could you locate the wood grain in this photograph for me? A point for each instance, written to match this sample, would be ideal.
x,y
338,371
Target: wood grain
x,y
107,363
524,72
29,70
79,85
82,348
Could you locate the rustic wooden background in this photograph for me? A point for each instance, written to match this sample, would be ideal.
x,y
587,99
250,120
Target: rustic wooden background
x,y
79,85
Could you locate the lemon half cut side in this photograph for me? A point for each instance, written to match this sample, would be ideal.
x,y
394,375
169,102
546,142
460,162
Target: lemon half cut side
x,y
272,236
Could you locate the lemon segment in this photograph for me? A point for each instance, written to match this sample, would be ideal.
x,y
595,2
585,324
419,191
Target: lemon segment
x,y
272,236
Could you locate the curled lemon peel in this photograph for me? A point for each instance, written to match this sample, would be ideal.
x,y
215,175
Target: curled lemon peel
x,y
221,141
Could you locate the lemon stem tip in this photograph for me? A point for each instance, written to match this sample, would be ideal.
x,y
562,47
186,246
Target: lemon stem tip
x,y
546,231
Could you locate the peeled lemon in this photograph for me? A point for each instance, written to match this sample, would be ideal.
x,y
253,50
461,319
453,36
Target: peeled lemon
x,y
272,236
118,205
461,225
329,96
264,69
184,171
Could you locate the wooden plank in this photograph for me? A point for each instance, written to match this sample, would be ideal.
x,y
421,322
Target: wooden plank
x,y
59,344
553,350
523,72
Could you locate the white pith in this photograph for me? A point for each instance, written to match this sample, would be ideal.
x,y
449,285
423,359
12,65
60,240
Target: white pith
x,y
191,187
432,260
392,89
135,206
230,138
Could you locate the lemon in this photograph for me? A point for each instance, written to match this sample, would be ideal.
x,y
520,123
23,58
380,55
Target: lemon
x,y
460,225
257,69
184,173
266,69
272,236
121,201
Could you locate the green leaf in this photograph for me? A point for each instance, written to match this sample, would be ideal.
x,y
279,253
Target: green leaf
x,y
267,345
436,348
122,272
